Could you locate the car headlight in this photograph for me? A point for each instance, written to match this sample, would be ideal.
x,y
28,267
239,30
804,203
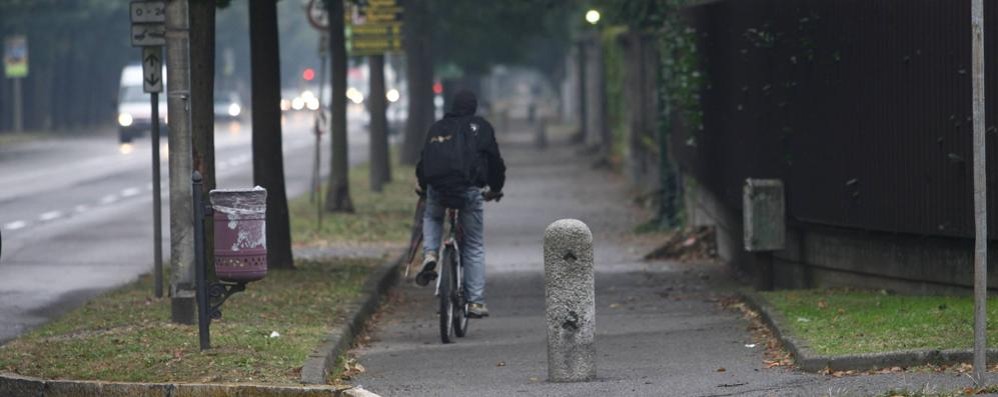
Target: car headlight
x,y
234,109
125,119
355,95
392,95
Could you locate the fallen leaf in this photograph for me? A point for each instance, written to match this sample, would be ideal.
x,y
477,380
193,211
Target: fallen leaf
x,y
501,364
721,369
822,304
534,379
614,305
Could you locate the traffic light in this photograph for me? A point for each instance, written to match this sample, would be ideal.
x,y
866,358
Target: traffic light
x,y
308,74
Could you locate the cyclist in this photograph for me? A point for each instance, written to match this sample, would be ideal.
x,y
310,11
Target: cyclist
x,y
459,158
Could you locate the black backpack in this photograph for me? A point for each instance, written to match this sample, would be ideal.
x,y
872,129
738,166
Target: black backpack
x,y
450,159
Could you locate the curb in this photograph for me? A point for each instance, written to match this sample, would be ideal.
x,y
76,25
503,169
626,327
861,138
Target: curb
x,y
807,360
15,385
324,357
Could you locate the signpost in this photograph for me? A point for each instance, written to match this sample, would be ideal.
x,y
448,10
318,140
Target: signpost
x,y
149,32
980,193
15,61
318,17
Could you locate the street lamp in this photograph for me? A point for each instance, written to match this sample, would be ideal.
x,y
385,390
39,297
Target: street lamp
x,y
592,16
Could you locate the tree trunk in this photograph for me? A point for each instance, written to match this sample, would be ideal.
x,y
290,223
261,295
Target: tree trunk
x,y
419,69
202,14
338,193
268,158
380,162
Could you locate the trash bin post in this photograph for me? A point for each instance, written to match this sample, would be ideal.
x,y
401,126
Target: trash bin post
x,y
199,270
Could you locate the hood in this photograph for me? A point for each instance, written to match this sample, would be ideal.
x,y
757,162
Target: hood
x,y
464,104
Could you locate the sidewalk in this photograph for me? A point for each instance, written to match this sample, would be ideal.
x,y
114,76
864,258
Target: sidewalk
x,y
660,330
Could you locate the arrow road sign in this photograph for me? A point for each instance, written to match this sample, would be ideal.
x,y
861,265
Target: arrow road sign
x,y
152,69
148,35
147,11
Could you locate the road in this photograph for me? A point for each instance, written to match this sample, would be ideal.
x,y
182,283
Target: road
x,y
76,219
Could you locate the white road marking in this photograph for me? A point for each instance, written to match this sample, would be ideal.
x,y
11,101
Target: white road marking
x,y
48,216
108,199
15,225
132,191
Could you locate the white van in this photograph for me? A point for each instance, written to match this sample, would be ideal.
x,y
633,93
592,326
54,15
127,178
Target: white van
x,y
134,112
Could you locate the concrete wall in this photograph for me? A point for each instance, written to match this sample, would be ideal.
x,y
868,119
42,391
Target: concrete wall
x,y
819,256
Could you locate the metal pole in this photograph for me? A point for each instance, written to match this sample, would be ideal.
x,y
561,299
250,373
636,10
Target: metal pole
x,y
18,123
318,132
323,48
980,196
202,289
157,219
583,117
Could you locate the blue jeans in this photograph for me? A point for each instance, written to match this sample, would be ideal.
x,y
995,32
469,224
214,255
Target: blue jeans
x,y
472,218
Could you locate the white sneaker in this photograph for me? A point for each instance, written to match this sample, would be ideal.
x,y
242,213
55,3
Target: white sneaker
x,y
427,274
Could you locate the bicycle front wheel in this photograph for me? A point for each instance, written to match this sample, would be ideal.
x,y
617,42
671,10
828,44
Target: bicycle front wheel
x,y
447,285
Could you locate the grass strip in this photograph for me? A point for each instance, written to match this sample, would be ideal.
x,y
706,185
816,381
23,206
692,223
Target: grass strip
x,y
840,322
382,218
126,335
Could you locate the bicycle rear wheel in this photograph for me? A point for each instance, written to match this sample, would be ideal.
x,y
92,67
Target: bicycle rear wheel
x,y
448,283
460,303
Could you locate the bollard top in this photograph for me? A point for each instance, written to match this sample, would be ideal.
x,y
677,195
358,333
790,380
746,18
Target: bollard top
x,y
239,201
569,229
196,176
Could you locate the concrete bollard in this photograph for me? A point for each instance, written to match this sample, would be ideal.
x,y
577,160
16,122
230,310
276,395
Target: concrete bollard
x,y
570,301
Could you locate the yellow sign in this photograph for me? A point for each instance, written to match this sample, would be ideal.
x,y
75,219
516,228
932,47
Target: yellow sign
x,y
374,27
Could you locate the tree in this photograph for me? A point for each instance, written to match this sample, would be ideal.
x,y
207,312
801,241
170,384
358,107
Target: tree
x,y
202,16
478,35
59,53
268,157
338,193
381,171
419,72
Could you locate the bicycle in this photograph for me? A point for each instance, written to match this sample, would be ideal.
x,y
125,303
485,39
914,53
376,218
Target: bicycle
x,y
450,282
453,306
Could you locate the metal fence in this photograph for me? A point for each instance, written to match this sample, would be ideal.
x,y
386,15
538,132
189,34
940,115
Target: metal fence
x,y
862,108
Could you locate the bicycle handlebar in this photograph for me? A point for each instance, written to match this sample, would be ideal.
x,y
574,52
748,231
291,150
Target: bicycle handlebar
x,y
495,198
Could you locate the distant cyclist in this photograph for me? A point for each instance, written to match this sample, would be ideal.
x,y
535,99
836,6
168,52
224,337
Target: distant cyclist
x,y
460,157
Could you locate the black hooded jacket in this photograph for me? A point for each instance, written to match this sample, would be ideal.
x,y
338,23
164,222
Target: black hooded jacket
x,y
491,170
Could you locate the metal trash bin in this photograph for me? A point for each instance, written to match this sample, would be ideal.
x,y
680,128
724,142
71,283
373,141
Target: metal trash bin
x,y
240,218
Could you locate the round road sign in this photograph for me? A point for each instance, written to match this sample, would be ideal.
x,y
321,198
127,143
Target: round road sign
x,y
317,15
